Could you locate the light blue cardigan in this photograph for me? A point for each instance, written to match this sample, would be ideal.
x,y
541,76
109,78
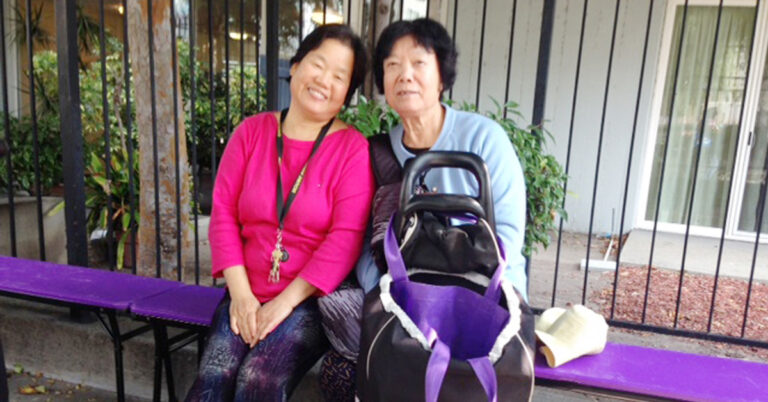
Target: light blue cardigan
x,y
471,132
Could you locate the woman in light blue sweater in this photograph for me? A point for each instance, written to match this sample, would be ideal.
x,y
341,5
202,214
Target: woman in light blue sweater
x,y
414,64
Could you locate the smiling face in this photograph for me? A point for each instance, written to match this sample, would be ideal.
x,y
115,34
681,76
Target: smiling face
x,y
412,83
319,82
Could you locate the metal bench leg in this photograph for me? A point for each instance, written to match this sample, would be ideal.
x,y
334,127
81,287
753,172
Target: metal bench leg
x,y
162,357
117,341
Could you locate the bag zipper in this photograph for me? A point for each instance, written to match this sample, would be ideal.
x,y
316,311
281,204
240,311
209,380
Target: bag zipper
x,y
370,348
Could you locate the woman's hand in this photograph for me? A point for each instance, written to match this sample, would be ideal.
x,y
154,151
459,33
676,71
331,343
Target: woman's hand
x,y
275,311
243,306
243,316
270,315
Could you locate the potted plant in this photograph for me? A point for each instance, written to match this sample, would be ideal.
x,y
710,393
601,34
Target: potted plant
x,y
108,201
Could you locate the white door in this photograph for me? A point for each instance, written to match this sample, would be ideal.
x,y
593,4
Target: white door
x,y
710,176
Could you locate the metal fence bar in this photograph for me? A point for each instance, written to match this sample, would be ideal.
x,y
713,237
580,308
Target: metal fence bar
x,y
629,159
242,60
258,55
176,145
570,143
402,8
71,132
33,111
7,132
154,135
428,4
599,151
733,168
453,37
273,46
129,142
688,333
542,69
509,55
480,56
226,68
212,87
664,161
107,138
193,128
301,20
760,216
325,10
700,137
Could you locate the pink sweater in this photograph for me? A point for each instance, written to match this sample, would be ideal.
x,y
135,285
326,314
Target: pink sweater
x,y
324,228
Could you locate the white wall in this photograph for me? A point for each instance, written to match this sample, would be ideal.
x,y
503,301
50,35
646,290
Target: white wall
x,y
11,60
622,94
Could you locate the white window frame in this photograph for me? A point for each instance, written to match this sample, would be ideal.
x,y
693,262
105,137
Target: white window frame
x,y
748,119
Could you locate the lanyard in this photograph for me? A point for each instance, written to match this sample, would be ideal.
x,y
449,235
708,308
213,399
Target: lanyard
x,y
280,254
284,206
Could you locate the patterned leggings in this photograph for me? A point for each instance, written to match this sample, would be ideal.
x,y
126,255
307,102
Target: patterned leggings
x,y
229,370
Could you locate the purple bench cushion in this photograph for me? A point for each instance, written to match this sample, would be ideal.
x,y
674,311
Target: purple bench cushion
x,y
85,286
664,374
188,304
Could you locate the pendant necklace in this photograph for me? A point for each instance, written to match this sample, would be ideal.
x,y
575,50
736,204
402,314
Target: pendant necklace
x,y
279,253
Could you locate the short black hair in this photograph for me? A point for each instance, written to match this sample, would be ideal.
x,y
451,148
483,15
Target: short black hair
x,y
345,35
427,33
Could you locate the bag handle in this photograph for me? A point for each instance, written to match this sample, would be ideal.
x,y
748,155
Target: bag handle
x,y
438,366
397,270
418,167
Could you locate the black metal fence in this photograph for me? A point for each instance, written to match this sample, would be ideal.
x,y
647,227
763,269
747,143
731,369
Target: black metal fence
x,y
250,20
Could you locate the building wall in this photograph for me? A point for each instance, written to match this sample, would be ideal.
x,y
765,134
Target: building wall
x,y
622,94
11,60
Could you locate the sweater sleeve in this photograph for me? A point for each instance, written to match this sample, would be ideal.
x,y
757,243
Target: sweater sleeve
x,y
509,197
334,259
224,229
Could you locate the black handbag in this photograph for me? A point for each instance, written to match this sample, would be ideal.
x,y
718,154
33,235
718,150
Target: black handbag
x,y
446,241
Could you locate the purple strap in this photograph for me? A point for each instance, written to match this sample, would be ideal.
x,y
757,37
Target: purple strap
x,y
441,353
486,374
438,366
396,264
436,369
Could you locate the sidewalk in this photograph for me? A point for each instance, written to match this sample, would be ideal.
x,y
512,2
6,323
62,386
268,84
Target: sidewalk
x,y
62,391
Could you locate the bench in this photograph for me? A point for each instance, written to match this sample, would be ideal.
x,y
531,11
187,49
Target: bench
x,y
109,293
189,307
662,373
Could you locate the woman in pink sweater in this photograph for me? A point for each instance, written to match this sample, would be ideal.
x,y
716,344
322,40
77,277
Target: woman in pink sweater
x,y
290,206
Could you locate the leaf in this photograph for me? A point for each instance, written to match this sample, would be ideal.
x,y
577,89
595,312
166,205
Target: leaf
x,y
56,209
121,249
18,368
28,390
41,389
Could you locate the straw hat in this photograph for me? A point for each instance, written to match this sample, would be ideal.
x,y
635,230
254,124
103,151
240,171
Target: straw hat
x,y
568,333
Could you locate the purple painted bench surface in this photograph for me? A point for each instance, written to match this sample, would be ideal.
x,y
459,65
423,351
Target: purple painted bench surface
x,y
188,304
664,374
86,286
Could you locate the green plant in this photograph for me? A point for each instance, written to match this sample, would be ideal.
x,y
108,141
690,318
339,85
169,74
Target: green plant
x,y
544,176
104,196
22,158
253,100
370,117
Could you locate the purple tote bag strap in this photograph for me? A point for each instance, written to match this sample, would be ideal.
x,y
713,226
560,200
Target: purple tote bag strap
x,y
436,369
438,366
487,376
396,264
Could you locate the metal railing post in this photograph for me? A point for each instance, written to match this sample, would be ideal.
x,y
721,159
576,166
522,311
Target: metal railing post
x,y
542,70
71,133
272,54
